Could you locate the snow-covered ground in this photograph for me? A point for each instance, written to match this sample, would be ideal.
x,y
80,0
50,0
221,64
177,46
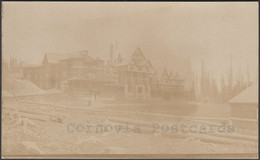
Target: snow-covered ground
x,y
47,124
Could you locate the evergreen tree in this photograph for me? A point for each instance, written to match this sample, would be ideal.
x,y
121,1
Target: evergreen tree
x,y
214,91
202,80
248,76
223,89
193,97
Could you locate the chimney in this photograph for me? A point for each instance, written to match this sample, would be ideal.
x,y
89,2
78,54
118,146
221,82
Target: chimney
x,y
111,54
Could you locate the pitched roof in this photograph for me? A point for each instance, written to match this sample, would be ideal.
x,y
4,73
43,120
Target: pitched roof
x,y
143,63
165,74
138,50
170,74
126,61
119,57
56,57
148,62
249,95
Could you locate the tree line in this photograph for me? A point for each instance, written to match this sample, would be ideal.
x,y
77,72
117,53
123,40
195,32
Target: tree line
x,y
206,90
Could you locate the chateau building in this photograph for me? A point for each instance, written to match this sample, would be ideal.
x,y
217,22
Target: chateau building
x,y
130,78
135,74
140,80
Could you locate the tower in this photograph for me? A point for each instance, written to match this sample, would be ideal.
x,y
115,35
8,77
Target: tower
x,y
45,60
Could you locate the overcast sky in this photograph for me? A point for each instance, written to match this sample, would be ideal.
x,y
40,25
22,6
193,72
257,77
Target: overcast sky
x,y
209,31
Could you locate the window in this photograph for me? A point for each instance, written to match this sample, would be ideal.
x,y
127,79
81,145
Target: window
x,y
140,90
146,89
130,88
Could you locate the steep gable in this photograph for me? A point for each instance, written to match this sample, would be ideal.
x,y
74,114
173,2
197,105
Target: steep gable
x,y
165,77
148,63
138,54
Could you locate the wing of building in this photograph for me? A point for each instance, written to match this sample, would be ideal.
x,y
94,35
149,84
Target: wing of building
x,y
140,79
75,71
245,104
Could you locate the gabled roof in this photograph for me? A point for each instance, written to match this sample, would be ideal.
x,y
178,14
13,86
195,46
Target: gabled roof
x,y
119,57
165,73
138,50
171,75
124,62
249,95
145,63
148,62
174,77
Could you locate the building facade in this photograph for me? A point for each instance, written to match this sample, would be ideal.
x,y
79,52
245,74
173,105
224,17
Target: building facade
x,y
140,80
168,86
130,78
135,75
73,72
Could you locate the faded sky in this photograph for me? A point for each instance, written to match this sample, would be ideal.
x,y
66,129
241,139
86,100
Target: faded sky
x,y
211,31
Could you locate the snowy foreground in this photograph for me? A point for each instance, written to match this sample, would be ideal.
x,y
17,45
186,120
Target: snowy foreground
x,y
60,124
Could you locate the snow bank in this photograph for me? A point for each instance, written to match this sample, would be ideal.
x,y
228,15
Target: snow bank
x,y
14,86
18,87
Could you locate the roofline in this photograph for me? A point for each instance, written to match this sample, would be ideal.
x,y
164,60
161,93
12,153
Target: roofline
x,y
138,48
243,103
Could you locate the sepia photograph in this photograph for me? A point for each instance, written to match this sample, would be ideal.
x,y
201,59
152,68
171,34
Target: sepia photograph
x,y
130,80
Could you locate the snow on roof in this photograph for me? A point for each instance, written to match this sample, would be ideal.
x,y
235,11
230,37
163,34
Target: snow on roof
x,y
56,57
249,95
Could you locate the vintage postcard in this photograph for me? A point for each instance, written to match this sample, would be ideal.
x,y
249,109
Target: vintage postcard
x,y
130,80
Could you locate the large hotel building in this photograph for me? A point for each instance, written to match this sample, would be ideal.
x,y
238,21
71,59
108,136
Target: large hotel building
x,y
130,78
